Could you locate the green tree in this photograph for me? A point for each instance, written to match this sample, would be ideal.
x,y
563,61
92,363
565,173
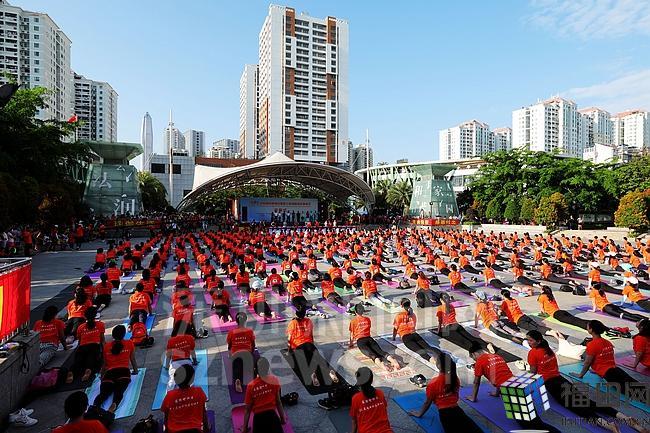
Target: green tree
x,y
464,200
511,212
527,211
552,210
633,176
634,211
399,196
493,210
153,192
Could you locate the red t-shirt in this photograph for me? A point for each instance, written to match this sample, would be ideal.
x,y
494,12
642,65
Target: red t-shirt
x,y
139,301
90,336
642,344
300,332
360,327
493,367
78,311
436,393
183,313
370,414
262,393
274,280
603,353
122,359
104,289
404,323
184,409
83,426
546,364
50,331
181,346
241,339
445,318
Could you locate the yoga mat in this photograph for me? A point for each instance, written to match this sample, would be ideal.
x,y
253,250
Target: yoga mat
x,y
340,419
630,306
551,319
94,275
278,317
343,291
623,361
588,309
237,415
507,356
376,370
129,402
154,302
401,346
334,306
236,397
149,323
311,389
592,380
215,322
430,421
459,304
200,379
392,308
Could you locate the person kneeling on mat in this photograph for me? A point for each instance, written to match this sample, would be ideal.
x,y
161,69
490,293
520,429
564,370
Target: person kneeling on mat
x,y
368,409
221,302
496,371
75,407
442,391
631,291
275,282
184,408
360,327
404,325
300,339
486,311
295,294
491,279
329,292
257,300
180,350
139,305
241,345
263,401
424,296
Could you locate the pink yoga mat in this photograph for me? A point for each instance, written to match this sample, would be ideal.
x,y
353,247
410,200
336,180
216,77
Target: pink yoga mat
x,y
278,317
238,420
627,361
215,322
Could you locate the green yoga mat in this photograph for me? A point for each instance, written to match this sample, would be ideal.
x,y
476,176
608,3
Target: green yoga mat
x,y
129,402
551,319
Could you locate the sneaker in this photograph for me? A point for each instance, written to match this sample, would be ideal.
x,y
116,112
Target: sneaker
x,y
325,403
520,364
19,413
24,421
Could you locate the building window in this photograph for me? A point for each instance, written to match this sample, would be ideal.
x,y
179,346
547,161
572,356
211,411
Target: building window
x,y
36,53
157,168
186,191
37,45
36,36
177,169
37,28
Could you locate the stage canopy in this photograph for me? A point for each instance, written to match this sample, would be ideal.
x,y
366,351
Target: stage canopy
x,y
335,182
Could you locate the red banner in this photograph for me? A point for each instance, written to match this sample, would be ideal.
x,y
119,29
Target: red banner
x,y
15,295
436,221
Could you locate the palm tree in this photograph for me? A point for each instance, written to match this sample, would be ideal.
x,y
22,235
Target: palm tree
x,y
153,192
399,196
382,187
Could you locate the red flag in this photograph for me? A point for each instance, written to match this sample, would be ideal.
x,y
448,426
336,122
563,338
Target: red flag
x,y
73,119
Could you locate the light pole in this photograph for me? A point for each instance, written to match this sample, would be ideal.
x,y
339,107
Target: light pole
x,y
430,209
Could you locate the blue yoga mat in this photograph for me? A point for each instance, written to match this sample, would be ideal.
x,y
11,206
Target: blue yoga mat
x,y
593,379
430,421
129,402
589,309
200,379
630,306
149,323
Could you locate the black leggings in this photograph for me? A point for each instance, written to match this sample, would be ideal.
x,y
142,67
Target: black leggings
x,y
471,269
498,284
416,343
555,279
340,283
526,281
426,298
369,347
462,287
307,360
453,417
240,361
72,324
279,288
499,330
644,303
527,323
336,299
223,312
616,311
103,299
444,271
262,308
300,302
617,375
609,289
569,319
267,422
88,356
558,387
380,277
461,338
114,382
138,316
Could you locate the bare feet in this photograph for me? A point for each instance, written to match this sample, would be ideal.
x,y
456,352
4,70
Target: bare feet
x,y
334,377
112,408
613,427
238,386
69,378
490,348
86,375
314,380
382,364
394,363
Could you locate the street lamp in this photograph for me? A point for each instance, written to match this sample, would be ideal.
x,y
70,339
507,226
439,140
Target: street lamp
x,y
430,209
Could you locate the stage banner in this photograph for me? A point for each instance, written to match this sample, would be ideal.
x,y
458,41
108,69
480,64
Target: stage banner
x,y
15,290
278,210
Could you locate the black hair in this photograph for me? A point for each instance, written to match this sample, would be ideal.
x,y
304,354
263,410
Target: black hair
x,y
85,281
180,327
90,314
118,334
103,277
262,367
146,274
453,267
506,294
184,376
541,341
364,382
241,318
475,347
359,309
181,270
445,297
368,275
597,286
327,277
301,312
75,404
139,287
80,296
597,327
274,271
447,366
546,290
644,327
50,313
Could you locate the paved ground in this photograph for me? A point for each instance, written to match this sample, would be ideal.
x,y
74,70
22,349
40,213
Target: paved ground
x,y
54,271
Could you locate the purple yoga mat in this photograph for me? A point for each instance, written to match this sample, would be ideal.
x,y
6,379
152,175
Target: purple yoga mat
x,y
627,361
238,421
334,306
94,275
588,309
211,420
217,325
236,397
154,303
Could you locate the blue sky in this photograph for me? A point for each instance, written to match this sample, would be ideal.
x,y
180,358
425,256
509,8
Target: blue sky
x,y
415,67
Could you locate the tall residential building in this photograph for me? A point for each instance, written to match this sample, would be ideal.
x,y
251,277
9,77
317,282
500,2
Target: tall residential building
x,y
182,177
146,140
95,104
195,142
248,99
550,125
172,137
233,146
303,87
35,52
501,139
599,127
632,129
467,140
363,157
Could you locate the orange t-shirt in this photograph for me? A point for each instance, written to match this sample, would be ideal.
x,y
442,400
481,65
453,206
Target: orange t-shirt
x,y
77,311
633,295
641,344
223,299
181,347
262,394
512,310
360,327
139,301
601,301
603,353
295,288
300,332
240,340
83,426
90,336
184,409
370,414
594,275
493,367
455,277
113,274
104,289
274,280
546,270
369,287
423,283
548,306
50,331
327,288
335,273
546,364
436,392
446,318
122,359
485,310
489,274
256,297
404,323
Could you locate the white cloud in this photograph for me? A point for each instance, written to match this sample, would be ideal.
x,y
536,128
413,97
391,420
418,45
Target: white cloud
x,y
625,92
592,19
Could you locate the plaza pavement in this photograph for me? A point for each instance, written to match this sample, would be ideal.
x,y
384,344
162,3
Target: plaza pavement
x,y
52,272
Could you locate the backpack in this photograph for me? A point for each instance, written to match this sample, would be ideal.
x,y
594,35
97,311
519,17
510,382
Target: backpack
x,y
566,288
146,425
342,394
101,415
579,291
46,379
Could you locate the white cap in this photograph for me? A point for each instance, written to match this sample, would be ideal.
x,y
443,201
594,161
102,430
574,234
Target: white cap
x,y
182,260
633,280
595,265
256,285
